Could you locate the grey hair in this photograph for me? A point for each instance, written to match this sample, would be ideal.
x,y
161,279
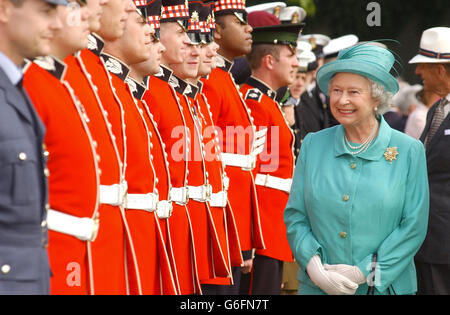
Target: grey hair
x,y
380,94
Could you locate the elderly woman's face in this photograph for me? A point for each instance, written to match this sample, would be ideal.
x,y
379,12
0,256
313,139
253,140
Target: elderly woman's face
x,y
351,101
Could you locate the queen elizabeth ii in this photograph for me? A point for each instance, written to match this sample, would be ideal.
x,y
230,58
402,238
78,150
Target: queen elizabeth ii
x,y
359,188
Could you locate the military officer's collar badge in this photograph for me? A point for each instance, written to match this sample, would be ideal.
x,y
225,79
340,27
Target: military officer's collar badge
x,y
114,65
137,89
52,65
223,63
95,44
391,154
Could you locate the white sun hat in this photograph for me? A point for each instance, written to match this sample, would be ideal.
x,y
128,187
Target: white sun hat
x,y
434,46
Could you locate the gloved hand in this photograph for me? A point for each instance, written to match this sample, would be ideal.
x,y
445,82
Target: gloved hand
x,y
351,272
330,282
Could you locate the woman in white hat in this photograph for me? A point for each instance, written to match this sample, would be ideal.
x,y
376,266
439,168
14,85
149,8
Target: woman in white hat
x,y
358,207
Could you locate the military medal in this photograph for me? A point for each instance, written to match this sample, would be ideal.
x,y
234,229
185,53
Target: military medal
x,y
391,154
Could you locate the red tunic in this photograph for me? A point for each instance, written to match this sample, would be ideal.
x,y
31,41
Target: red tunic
x,y
149,244
73,180
90,79
277,160
223,215
235,127
162,103
210,257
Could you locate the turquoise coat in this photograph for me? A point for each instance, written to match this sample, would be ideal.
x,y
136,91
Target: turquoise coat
x,y
345,207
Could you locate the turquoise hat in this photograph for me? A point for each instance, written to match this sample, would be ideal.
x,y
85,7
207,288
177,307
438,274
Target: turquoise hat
x,y
368,60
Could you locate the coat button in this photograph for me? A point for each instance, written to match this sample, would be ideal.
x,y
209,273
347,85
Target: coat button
x,y
22,156
6,269
345,198
353,166
343,235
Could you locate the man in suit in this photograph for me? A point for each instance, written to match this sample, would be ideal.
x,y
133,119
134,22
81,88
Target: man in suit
x,y
433,66
26,29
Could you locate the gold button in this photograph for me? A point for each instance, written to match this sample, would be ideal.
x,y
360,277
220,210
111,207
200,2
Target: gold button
x,y
22,156
46,172
343,235
345,198
353,166
44,223
6,269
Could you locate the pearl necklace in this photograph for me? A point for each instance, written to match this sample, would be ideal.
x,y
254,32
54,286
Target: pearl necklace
x,y
365,145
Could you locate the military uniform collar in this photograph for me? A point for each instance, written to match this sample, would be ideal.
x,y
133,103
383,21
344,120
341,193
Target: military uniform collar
x,y
53,65
136,88
200,86
95,44
182,87
115,66
223,63
376,150
164,73
263,87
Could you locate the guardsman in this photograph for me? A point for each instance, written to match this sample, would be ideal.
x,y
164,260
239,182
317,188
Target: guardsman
x,y
163,103
73,217
234,123
137,81
88,77
142,199
24,267
219,207
274,64
211,260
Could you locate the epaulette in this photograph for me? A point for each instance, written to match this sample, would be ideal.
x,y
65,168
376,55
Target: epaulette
x,y
254,94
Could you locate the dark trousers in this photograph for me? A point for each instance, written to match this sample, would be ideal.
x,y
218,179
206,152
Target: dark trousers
x,y
266,276
214,289
433,279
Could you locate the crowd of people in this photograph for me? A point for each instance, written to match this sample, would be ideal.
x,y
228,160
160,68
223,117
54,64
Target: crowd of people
x,y
179,147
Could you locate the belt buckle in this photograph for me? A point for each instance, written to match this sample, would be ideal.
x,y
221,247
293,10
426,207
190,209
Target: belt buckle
x,y
164,209
206,192
95,228
153,201
266,180
122,190
226,182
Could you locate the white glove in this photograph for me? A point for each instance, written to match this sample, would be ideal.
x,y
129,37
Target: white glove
x,y
329,281
351,272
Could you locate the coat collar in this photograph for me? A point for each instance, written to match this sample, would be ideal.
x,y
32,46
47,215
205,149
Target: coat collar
x,y
115,66
377,148
263,87
138,89
12,72
164,73
182,87
95,44
53,65
223,63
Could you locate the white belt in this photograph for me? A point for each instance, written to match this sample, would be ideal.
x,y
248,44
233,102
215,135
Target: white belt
x,y
84,229
164,209
246,162
200,193
283,184
147,202
179,195
113,195
218,199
